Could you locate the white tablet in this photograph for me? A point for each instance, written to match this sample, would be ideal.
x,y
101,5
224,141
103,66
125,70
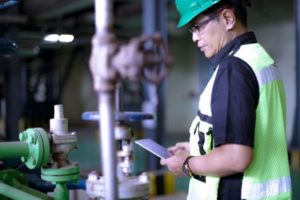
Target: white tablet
x,y
153,147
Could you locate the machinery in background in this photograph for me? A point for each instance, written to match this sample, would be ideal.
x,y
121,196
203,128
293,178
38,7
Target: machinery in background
x,y
143,57
49,151
60,170
129,185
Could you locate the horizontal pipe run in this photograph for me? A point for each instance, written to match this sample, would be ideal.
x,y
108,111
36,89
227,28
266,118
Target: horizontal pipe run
x,y
13,150
14,193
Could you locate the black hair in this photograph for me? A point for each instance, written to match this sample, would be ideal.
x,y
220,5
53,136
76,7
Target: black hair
x,y
239,7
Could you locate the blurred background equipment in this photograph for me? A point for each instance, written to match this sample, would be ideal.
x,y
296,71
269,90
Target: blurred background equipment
x,y
65,58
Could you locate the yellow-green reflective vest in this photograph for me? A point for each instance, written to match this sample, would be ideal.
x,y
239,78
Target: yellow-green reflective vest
x,y
268,176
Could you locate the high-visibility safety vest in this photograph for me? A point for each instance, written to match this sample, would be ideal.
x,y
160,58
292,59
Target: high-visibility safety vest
x,y
268,176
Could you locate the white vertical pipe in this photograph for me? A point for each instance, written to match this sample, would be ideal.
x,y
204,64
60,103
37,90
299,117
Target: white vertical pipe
x,y
103,16
108,147
103,22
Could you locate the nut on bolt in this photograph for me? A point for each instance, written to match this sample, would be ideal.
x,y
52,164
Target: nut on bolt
x,y
32,139
22,136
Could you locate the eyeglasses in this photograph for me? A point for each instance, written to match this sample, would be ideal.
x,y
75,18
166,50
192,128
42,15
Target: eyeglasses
x,y
197,28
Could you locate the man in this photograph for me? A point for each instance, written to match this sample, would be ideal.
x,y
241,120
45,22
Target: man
x,y
237,147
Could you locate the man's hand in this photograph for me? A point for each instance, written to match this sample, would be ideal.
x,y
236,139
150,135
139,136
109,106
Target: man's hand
x,y
175,162
182,146
222,161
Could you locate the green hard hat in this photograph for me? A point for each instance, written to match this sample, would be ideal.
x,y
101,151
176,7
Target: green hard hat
x,y
188,9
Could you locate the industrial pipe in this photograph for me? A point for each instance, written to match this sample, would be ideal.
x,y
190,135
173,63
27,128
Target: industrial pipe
x,y
13,150
103,16
14,193
29,190
108,147
105,44
110,62
61,192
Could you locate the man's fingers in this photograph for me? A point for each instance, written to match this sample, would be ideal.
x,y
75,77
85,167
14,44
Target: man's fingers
x,y
163,161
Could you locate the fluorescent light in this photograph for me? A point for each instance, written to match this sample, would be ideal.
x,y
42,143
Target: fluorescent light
x,y
66,38
63,38
51,38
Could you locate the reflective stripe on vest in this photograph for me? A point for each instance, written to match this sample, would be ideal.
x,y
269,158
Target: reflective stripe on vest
x,y
267,75
267,189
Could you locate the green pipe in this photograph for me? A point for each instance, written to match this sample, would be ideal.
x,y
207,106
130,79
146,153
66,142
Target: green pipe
x,y
28,190
14,193
13,150
61,191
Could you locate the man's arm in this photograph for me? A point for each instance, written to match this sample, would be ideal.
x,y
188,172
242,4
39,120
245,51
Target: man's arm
x,y
225,160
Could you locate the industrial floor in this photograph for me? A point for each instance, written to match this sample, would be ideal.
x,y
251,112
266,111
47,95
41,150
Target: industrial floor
x,y
87,155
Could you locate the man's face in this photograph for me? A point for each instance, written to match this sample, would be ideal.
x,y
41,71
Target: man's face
x,y
208,33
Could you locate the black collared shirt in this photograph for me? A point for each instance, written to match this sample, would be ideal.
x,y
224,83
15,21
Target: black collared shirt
x,y
234,100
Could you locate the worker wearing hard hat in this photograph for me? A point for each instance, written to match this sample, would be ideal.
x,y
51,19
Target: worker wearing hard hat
x,y
237,147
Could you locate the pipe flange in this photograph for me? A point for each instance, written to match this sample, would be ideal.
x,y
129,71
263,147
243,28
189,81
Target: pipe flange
x,y
38,145
61,175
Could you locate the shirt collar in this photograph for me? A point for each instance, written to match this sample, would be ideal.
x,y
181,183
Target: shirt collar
x,y
234,45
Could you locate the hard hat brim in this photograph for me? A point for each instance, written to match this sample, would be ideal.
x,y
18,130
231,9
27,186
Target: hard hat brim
x,y
186,18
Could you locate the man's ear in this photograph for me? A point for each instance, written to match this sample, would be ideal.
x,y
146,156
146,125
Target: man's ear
x,y
229,18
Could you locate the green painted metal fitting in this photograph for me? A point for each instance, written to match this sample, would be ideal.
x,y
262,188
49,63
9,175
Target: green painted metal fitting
x,y
24,159
14,185
13,150
61,191
22,136
22,176
60,177
33,161
32,139
8,176
39,147
5,177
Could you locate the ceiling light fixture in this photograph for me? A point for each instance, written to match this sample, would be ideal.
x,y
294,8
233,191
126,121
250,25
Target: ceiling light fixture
x,y
63,38
66,38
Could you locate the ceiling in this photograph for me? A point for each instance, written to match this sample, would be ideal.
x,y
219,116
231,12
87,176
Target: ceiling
x,y
29,20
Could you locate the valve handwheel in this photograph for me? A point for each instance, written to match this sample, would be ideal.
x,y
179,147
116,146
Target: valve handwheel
x,y
119,116
157,59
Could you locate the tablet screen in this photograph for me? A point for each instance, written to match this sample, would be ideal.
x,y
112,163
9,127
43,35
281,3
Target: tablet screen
x,y
153,147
